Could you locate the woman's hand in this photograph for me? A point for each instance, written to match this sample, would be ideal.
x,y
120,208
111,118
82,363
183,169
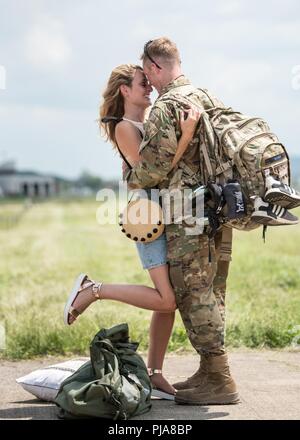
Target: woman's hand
x,y
189,124
188,127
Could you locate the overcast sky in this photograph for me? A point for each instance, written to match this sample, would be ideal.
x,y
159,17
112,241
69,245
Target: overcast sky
x,y
56,56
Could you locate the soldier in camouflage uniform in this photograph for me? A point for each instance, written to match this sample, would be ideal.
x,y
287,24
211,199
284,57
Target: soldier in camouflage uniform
x,y
198,264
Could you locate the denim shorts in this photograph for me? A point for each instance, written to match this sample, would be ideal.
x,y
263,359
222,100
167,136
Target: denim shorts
x,y
153,254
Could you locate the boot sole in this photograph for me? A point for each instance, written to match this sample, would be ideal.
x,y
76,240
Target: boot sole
x,y
227,399
72,296
281,199
266,220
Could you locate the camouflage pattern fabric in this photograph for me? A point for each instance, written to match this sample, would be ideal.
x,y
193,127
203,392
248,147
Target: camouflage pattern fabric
x,y
230,145
223,245
193,259
237,146
162,131
198,272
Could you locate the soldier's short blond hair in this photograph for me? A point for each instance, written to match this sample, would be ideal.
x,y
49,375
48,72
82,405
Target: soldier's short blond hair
x,y
162,48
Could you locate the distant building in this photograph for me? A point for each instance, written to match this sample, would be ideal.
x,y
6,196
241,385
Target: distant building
x,y
25,183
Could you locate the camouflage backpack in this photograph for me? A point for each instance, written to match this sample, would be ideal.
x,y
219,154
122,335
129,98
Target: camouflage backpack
x,y
235,146
114,384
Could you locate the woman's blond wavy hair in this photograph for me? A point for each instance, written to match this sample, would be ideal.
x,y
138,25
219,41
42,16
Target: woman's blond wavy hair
x,y
113,100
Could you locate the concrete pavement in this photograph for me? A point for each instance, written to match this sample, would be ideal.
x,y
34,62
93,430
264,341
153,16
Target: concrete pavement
x,y
268,383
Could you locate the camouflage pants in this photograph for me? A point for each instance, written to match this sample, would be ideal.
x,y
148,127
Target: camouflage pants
x,y
198,272
223,247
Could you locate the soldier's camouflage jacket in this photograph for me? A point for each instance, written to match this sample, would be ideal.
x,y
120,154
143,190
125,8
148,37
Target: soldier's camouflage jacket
x,y
162,131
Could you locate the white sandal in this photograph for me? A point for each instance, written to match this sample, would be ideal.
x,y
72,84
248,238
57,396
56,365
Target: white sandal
x,y
157,392
77,288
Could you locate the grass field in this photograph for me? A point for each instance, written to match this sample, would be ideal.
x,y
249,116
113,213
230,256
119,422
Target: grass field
x,y
56,240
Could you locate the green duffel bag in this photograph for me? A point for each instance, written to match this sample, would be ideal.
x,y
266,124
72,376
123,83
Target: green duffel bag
x,y
114,384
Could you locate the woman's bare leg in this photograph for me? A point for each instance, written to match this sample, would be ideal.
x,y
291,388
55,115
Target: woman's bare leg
x,y
158,299
139,296
160,330
161,300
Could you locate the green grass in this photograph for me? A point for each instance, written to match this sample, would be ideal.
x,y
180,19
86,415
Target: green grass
x,y
57,240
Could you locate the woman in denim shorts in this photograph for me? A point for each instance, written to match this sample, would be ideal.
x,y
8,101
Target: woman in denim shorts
x,y
126,98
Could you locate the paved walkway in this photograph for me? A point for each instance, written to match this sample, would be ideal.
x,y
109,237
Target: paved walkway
x,y
268,382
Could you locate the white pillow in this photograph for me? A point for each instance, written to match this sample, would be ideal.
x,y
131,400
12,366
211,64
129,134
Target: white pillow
x,y
45,382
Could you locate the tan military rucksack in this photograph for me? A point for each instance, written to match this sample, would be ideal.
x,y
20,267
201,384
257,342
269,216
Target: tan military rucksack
x,y
244,148
235,146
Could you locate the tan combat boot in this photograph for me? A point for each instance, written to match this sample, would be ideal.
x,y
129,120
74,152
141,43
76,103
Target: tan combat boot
x,y
196,379
217,389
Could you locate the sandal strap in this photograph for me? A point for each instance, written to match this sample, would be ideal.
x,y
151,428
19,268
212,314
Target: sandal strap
x,y
96,287
74,313
87,282
152,371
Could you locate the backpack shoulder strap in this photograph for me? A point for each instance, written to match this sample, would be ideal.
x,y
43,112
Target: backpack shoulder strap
x,y
206,93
